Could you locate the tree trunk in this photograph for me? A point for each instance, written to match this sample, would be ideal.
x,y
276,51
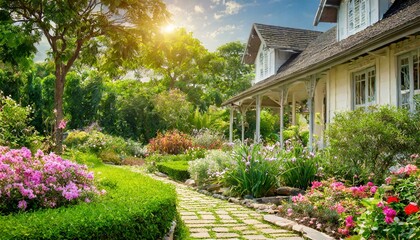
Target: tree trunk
x,y
60,77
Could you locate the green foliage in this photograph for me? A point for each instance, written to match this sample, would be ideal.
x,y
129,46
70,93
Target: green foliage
x,y
173,108
88,159
156,158
109,156
207,169
365,143
294,133
95,141
269,124
207,139
132,161
254,171
172,142
299,166
134,207
176,170
214,118
15,130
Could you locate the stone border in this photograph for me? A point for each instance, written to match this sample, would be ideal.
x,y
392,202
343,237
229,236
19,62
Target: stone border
x,y
307,232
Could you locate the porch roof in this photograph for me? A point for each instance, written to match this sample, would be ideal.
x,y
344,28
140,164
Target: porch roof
x,y
402,19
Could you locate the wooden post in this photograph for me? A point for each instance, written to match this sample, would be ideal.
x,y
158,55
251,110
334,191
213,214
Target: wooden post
x,y
310,88
258,119
293,110
231,125
243,116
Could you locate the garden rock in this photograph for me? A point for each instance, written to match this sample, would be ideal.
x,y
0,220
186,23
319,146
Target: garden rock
x,y
272,200
159,174
213,187
288,191
190,182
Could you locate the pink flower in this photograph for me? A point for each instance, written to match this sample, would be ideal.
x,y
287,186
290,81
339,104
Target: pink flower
x,y
343,231
298,198
373,189
410,169
370,184
350,222
316,184
22,204
388,180
338,208
337,185
62,124
289,212
389,214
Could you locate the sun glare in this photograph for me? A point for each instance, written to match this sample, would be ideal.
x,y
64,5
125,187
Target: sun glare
x,y
168,28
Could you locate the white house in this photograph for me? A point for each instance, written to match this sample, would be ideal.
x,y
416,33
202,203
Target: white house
x,y
370,57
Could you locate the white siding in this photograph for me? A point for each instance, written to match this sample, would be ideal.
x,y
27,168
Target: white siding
x,y
275,58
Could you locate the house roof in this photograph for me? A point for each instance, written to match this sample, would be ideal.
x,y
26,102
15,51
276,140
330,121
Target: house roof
x,y
403,18
276,37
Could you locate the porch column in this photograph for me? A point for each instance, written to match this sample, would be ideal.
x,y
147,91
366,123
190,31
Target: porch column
x,y
243,116
231,125
310,88
293,110
257,119
283,100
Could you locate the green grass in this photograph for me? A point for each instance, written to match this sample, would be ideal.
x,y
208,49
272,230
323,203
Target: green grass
x,y
135,207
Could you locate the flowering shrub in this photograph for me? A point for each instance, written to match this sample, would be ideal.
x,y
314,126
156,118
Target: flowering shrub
x,y
95,141
30,182
299,166
208,139
172,142
393,213
254,170
209,168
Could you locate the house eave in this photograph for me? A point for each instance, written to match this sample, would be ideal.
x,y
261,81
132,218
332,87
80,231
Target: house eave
x,y
380,41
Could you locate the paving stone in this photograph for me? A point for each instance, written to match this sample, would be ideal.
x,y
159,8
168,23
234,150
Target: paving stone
x,y
194,221
255,237
189,217
240,228
262,225
198,229
226,235
271,230
183,213
208,217
220,229
200,235
226,217
289,238
251,221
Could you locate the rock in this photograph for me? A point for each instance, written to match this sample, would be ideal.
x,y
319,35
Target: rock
x,y
248,197
288,191
234,200
213,187
273,200
159,174
190,182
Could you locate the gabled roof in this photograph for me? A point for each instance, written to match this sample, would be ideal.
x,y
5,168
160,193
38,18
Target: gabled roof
x,y
327,11
402,19
291,39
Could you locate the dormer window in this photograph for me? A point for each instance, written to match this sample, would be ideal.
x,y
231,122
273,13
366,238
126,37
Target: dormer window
x,y
357,15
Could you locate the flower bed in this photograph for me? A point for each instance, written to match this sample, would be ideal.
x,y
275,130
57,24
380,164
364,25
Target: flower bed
x,y
389,211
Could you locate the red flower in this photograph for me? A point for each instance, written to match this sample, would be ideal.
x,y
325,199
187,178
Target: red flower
x,y
392,199
411,208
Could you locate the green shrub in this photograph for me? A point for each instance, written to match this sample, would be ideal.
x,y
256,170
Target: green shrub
x,y
15,130
134,207
366,143
88,159
205,170
208,139
172,142
175,170
167,158
76,138
299,167
254,170
109,156
133,161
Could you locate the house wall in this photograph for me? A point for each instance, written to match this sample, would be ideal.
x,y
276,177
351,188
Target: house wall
x,y
274,60
339,86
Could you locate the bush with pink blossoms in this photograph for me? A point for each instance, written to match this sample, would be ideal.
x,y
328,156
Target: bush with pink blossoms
x,y
29,182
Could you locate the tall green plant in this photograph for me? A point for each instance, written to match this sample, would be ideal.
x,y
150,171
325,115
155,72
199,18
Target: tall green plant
x,y
254,170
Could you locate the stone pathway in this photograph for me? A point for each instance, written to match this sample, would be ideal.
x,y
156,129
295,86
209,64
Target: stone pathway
x,y
211,218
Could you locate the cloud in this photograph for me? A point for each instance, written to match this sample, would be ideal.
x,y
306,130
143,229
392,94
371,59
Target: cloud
x,y
223,29
198,9
232,8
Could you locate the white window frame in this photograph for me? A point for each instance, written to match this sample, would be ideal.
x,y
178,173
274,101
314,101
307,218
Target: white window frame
x,y
357,11
361,81
411,77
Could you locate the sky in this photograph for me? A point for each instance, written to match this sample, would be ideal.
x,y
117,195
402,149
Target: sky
x,y
216,22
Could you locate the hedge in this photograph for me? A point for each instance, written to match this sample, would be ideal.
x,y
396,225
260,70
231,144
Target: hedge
x,y
134,207
177,170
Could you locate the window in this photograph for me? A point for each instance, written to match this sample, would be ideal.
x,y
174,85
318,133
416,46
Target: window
x,y
364,88
261,65
357,15
409,80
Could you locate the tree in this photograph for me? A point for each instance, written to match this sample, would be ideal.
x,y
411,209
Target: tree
x,y
177,57
73,28
231,75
